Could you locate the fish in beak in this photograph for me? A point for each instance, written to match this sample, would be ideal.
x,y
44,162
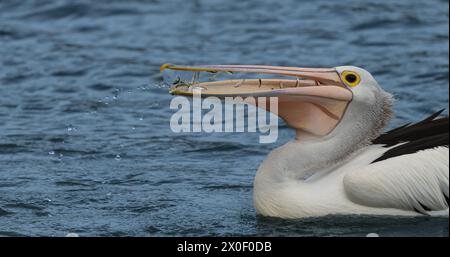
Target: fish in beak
x,y
311,100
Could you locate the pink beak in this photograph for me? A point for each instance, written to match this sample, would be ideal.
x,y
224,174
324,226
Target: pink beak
x,y
310,100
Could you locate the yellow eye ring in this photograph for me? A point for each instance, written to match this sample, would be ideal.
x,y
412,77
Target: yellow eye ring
x,y
351,78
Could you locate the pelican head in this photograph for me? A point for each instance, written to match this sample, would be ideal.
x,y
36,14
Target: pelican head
x,y
313,101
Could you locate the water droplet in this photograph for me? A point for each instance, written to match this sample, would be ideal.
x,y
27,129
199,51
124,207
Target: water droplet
x,y
116,93
71,128
154,105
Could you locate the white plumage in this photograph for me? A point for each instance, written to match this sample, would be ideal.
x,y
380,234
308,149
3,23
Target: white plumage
x,y
407,182
336,174
395,186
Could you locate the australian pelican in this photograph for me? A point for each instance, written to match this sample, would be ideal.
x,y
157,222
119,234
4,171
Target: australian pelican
x,y
340,162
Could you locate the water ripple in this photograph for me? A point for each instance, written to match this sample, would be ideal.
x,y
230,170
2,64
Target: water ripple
x,y
85,142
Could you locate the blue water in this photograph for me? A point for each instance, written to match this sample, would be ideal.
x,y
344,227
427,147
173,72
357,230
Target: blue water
x,y
85,143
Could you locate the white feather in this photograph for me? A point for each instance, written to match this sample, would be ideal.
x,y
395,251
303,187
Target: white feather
x,y
390,187
334,174
405,182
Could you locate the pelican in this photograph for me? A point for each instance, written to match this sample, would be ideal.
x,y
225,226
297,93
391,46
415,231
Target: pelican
x,y
340,162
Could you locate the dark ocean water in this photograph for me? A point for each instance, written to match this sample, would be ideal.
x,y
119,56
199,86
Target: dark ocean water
x,y
85,143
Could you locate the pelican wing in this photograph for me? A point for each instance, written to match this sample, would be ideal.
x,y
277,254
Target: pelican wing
x,y
427,134
417,182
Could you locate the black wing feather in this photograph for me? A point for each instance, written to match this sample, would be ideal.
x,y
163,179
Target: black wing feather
x,y
427,134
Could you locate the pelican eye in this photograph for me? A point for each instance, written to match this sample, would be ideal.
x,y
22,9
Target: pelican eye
x,y
351,78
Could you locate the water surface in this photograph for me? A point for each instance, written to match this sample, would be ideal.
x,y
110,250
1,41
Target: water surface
x,y
85,143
